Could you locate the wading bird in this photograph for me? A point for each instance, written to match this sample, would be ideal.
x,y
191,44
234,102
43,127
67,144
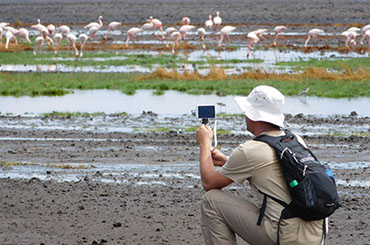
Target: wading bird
x,y
185,20
9,36
363,33
225,34
23,33
312,34
72,40
364,36
51,29
217,21
83,39
44,32
131,34
64,29
57,38
350,39
168,33
184,29
253,39
259,33
157,24
209,23
94,27
202,33
111,27
175,36
38,43
278,30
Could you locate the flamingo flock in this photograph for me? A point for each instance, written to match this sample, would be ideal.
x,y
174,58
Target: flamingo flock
x,y
53,35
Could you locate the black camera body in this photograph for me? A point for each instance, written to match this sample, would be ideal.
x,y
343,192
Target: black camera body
x,y
206,111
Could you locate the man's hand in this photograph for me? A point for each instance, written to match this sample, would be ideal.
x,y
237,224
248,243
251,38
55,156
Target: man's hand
x,y
218,157
204,136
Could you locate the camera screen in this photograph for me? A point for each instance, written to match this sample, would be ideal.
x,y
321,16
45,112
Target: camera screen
x,y
206,111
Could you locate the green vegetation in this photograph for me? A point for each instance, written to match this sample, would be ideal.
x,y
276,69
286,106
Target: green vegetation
x,y
38,84
338,65
82,114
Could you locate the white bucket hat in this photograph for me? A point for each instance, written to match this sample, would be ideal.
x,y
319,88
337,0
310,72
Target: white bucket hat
x,y
264,103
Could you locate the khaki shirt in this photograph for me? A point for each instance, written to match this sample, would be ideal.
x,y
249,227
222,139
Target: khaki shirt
x,y
256,162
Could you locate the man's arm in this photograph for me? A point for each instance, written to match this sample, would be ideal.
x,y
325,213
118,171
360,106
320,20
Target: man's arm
x,y
211,178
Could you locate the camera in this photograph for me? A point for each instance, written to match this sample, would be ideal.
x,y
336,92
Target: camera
x,y
206,111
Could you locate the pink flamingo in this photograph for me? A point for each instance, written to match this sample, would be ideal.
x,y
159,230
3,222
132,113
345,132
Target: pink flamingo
x,y
131,33
57,38
94,27
23,33
366,35
175,36
225,34
44,32
209,23
253,39
157,24
202,33
278,30
111,27
312,34
2,25
39,41
64,29
185,20
51,29
363,32
72,40
350,39
184,29
83,39
9,36
259,33
217,21
168,33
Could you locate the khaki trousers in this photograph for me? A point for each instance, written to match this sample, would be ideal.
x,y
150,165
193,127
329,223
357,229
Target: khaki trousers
x,y
224,215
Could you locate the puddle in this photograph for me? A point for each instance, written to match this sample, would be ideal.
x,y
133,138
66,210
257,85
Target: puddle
x,y
131,173
112,101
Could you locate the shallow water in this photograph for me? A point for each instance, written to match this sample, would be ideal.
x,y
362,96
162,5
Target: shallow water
x,y
138,174
112,101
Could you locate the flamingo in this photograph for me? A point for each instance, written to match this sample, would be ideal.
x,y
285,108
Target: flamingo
x,y
9,36
23,33
131,33
313,33
72,40
94,26
363,32
51,29
57,38
209,23
185,20
259,33
157,24
350,38
44,32
64,29
168,33
39,41
355,29
3,24
253,39
175,36
366,35
184,29
202,32
83,39
217,20
225,34
111,27
278,30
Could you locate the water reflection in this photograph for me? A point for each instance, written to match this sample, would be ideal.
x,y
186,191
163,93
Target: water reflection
x,y
112,101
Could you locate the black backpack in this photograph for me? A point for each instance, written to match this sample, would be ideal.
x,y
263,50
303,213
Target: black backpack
x,y
311,184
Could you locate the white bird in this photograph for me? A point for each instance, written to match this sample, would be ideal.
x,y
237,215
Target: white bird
x,y
9,36
23,33
217,20
168,33
225,34
94,27
3,24
253,39
51,29
131,34
185,20
64,29
111,27
38,41
44,32
278,30
363,33
259,33
355,29
72,40
202,33
57,38
157,24
209,23
313,33
175,36
350,38
184,29
83,39
367,35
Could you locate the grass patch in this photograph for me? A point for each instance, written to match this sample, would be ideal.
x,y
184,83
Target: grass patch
x,y
69,166
9,164
321,83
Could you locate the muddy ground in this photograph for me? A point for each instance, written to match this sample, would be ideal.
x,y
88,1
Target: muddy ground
x,y
34,211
